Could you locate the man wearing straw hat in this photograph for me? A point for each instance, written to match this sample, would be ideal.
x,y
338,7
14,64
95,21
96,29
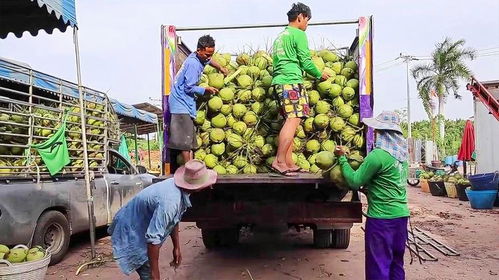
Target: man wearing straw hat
x,y
143,224
384,174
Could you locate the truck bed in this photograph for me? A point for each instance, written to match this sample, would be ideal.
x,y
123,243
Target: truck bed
x,y
265,178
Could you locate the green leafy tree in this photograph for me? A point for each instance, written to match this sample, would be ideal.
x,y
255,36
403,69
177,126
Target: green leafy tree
x,y
449,145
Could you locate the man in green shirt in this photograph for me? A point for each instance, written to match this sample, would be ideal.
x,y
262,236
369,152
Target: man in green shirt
x,y
384,174
291,56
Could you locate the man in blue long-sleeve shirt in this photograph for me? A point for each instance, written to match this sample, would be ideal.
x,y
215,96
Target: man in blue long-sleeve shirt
x,y
182,99
143,224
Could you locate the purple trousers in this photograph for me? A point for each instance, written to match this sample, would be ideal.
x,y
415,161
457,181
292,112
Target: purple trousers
x,y
385,247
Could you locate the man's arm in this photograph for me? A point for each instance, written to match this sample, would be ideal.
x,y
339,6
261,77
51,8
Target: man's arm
x,y
219,67
303,53
361,176
177,256
153,254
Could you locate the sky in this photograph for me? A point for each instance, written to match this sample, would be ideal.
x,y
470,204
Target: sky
x,y
121,52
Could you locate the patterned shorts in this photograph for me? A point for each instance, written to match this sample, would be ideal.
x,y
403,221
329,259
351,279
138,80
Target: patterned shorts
x,y
293,100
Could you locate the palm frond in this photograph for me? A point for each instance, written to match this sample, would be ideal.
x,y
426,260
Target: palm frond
x,y
422,70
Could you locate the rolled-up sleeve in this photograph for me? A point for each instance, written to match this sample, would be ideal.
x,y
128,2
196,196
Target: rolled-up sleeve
x,y
191,80
160,225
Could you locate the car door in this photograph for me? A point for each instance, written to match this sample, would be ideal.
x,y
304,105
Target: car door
x,y
123,181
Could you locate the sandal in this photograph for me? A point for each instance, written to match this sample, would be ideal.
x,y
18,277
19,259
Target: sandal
x,y
288,173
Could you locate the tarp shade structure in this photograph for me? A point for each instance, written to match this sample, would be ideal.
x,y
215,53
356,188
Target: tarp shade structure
x,y
126,110
18,16
19,72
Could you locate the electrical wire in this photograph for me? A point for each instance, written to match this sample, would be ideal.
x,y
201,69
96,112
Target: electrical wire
x,y
397,63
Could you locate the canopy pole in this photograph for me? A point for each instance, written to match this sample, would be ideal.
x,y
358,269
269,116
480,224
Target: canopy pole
x,y
90,199
160,146
136,148
149,150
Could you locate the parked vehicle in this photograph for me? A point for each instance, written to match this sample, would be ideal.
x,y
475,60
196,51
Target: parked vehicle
x,y
39,209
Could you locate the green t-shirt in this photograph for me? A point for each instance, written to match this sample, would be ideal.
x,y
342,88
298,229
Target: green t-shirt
x,y
386,180
291,56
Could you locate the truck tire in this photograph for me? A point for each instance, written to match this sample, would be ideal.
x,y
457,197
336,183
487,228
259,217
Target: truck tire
x,y
229,237
322,238
211,238
341,238
52,231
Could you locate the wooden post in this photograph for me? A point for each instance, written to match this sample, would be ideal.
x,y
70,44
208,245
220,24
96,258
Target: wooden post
x,y
136,147
149,150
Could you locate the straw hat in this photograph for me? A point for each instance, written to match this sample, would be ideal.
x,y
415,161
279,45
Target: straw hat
x,y
194,176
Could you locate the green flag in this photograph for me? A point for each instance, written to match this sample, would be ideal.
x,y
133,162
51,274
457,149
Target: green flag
x,y
123,151
54,151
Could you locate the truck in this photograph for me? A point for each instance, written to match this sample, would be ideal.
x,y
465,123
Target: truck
x,y
267,201
35,207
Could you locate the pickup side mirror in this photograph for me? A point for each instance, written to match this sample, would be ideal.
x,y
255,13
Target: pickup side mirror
x,y
141,169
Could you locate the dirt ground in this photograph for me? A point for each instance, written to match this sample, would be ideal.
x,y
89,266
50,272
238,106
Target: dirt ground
x,y
473,233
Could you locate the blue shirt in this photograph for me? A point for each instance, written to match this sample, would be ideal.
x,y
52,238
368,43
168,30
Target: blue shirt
x,y
182,97
148,218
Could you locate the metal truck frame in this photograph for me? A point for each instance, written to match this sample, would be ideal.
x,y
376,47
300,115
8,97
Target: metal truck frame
x,y
269,201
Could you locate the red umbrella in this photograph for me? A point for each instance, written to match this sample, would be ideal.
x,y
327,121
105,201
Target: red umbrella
x,y
467,144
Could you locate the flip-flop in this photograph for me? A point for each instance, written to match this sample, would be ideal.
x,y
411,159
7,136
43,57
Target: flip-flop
x,y
288,173
300,170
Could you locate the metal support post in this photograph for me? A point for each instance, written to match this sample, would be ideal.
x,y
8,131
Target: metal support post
x,y
90,199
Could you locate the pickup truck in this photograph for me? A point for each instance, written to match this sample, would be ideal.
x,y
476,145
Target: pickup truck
x,y
39,209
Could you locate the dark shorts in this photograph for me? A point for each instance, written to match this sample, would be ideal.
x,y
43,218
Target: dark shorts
x,y
293,100
182,133
144,271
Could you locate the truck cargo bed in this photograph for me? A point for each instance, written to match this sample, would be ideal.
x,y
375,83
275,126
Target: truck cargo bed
x,y
265,178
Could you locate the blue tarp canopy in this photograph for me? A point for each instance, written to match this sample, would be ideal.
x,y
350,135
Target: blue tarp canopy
x,y
126,110
19,72
18,16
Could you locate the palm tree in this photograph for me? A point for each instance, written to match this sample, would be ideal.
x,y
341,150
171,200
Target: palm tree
x,y
441,76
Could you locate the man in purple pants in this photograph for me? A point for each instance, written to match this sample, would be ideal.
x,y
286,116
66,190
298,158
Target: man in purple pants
x,y
384,174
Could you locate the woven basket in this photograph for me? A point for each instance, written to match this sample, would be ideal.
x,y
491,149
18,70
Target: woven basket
x,y
425,187
34,270
451,190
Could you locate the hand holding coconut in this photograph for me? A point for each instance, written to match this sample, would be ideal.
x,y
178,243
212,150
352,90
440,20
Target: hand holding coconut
x,y
211,90
325,76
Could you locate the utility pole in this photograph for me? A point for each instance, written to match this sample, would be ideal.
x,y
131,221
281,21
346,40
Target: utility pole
x,y
407,59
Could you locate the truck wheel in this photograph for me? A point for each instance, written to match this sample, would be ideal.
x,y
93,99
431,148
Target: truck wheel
x,y
322,238
341,238
52,231
229,237
211,238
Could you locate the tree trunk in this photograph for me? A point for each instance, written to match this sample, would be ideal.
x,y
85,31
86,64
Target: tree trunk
x,y
441,119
